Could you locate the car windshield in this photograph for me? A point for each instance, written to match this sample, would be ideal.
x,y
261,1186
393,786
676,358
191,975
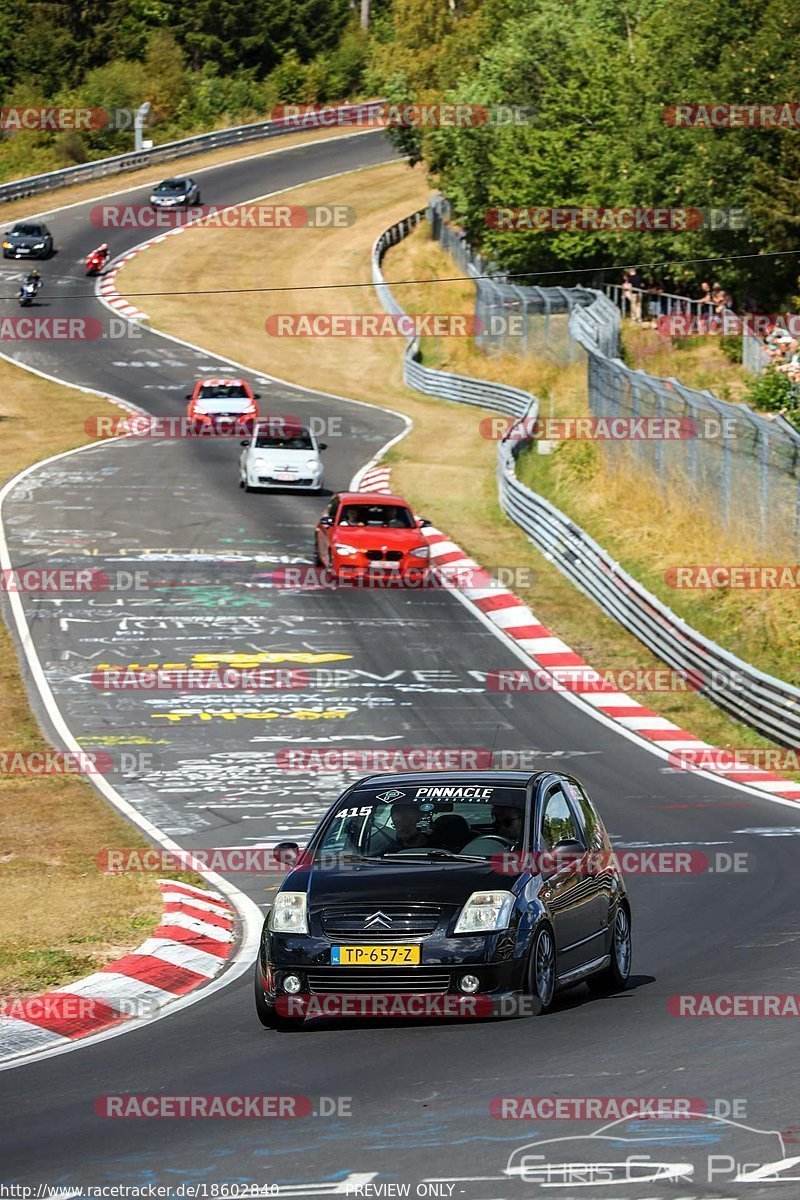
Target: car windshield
x,y
28,230
221,391
222,406
386,516
172,185
430,822
272,441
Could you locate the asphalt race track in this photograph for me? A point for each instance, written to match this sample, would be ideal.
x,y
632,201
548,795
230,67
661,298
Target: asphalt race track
x,y
411,1100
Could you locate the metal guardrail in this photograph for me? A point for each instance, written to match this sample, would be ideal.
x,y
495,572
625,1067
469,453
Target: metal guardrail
x,y
767,704
480,393
235,136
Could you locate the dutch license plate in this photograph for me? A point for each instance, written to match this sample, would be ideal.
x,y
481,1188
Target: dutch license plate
x,y
374,956
286,476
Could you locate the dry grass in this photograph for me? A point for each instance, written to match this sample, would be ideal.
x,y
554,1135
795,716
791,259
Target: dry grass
x,y
444,466
60,917
697,362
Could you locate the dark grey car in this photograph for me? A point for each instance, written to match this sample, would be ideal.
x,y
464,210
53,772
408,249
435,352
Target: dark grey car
x,y
172,193
28,239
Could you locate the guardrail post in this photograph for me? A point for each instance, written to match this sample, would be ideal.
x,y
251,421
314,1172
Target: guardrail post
x,y
138,126
763,483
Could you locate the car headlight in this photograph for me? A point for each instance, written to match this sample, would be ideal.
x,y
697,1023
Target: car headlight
x,y
341,548
6,245
485,912
421,552
38,245
289,913
312,464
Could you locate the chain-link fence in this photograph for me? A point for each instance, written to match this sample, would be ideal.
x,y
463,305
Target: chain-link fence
x,y
741,468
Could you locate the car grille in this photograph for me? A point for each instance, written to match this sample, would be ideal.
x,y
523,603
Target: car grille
x,y
416,920
386,981
384,555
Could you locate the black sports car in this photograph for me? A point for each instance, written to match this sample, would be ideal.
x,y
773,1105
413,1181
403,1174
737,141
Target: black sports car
x,y
469,893
28,239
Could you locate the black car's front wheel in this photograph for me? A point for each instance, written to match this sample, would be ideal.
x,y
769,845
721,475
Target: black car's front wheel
x,y
542,970
614,978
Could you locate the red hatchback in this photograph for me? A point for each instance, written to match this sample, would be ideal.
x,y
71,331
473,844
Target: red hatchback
x,y
363,533
224,405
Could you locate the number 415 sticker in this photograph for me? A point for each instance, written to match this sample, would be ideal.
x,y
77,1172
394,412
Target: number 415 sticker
x,y
364,811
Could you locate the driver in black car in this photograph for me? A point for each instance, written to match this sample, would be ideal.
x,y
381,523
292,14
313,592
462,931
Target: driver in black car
x,y
404,818
507,824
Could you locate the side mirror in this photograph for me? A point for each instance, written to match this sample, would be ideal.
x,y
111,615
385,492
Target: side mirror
x,y
188,396
322,445
568,851
422,522
244,442
286,854
256,395
326,520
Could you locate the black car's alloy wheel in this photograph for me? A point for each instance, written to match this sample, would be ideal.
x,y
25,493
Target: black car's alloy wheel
x,y
616,975
542,970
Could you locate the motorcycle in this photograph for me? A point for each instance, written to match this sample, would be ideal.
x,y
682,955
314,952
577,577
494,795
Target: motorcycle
x,y
96,261
28,292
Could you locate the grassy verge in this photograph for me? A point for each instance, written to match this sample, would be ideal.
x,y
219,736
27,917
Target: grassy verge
x,y
698,362
60,918
444,466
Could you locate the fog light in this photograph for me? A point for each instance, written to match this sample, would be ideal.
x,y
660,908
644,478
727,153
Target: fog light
x,y
292,985
469,984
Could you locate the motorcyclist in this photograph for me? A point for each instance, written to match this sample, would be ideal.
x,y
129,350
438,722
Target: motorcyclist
x,y
103,253
33,279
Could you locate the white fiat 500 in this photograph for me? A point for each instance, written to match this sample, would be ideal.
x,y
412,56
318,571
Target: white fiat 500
x,y
281,455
